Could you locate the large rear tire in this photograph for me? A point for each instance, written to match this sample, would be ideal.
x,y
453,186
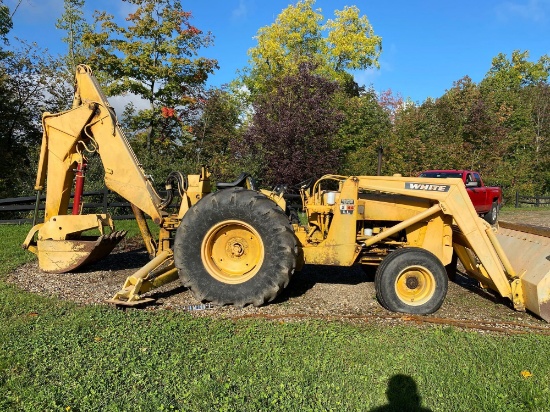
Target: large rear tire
x,y
235,246
411,280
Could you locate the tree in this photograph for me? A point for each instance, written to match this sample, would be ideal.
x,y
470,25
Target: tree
x,y
298,36
541,118
516,72
6,23
351,41
539,97
217,130
499,127
417,141
29,86
514,91
156,58
391,103
73,22
366,127
293,128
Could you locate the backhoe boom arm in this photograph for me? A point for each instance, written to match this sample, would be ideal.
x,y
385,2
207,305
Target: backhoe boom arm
x,y
91,126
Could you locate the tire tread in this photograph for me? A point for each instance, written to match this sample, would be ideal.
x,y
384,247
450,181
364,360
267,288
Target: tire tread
x,y
255,209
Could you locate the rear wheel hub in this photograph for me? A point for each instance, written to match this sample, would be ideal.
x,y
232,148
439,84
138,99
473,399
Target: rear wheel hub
x,y
232,251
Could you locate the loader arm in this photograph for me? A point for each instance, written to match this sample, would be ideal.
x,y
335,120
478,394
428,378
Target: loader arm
x,y
91,126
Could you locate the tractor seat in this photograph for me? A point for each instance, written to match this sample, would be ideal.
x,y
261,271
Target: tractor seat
x,y
244,180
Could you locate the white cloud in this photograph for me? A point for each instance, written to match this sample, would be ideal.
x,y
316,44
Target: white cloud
x,y
532,10
241,11
119,102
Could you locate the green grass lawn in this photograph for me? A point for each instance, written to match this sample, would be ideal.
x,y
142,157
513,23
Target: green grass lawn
x,y
58,356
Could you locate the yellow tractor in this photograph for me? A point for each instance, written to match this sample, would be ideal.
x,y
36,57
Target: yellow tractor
x,y
236,245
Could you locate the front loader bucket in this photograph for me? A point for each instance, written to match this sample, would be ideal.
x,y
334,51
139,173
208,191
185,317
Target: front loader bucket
x,y
528,250
60,256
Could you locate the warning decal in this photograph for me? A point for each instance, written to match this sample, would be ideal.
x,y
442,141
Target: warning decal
x,y
347,206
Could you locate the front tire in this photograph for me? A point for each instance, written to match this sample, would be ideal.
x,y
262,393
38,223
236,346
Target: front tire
x,y
235,246
411,280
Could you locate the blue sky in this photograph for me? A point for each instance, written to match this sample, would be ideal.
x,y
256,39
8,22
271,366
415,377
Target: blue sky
x,y
426,44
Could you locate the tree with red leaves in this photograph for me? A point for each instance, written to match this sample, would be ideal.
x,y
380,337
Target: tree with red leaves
x,y
154,56
292,134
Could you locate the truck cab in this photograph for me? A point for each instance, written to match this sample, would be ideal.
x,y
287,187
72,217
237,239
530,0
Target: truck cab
x,y
486,199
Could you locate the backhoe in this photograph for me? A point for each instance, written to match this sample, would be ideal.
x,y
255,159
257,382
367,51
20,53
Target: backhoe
x,y
235,244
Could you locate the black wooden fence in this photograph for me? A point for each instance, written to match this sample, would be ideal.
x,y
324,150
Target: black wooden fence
x,y
20,210
536,201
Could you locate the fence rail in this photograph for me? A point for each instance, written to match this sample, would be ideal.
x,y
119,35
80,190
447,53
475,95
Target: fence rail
x,y
20,209
105,201
536,201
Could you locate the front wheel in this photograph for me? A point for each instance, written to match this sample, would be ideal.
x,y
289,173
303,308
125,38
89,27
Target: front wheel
x,y
235,246
411,280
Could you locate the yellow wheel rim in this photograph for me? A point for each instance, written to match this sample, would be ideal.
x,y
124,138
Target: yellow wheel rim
x,y
232,252
415,285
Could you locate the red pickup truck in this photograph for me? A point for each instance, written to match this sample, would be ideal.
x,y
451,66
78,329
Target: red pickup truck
x,y
487,200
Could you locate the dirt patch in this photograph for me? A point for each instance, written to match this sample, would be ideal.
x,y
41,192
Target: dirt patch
x,y
538,216
316,292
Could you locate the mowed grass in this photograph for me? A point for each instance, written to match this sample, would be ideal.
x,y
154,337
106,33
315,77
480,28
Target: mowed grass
x,y
57,356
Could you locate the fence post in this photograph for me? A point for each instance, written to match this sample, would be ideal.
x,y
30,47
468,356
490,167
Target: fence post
x,y
517,199
105,199
36,207
537,201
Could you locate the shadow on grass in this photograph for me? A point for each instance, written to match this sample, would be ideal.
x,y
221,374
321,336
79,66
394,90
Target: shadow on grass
x,y
403,396
466,282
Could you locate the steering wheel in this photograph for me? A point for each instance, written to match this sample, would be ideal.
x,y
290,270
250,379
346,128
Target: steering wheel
x,y
306,184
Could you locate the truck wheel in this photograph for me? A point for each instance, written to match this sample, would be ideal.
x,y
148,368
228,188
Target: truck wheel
x,y
411,280
492,215
235,246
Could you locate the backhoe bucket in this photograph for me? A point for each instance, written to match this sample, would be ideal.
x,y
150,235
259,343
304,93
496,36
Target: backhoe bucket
x,y
528,250
60,256
62,247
